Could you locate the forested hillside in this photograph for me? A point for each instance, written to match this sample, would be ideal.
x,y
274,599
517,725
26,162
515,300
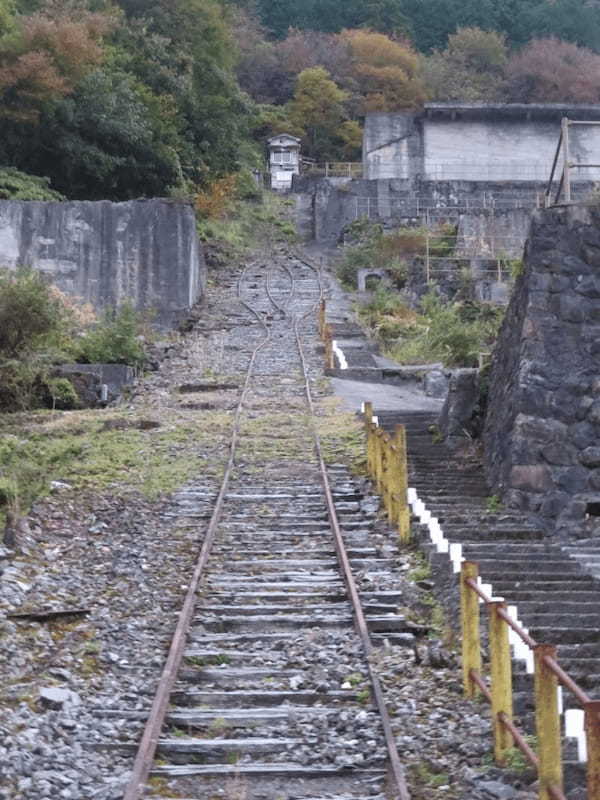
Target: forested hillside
x,y
127,98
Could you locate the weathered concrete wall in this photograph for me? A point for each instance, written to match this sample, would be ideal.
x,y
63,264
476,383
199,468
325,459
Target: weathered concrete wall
x,y
542,431
396,202
392,146
493,233
145,251
477,142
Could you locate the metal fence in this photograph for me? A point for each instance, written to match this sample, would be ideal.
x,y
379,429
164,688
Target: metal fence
x,y
564,149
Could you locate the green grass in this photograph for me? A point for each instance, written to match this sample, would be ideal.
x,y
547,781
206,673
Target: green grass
x,y
454,333
74,447
251,225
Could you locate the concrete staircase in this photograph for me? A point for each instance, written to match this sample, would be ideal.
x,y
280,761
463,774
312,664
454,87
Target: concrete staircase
x,y
555,588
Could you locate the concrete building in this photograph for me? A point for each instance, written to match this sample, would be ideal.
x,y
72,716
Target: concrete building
x,y
284,160
478,142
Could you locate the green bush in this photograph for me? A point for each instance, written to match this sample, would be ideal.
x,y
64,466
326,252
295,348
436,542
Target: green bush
x,y
16,185
113,340
454,333
62,393
31,318
39,328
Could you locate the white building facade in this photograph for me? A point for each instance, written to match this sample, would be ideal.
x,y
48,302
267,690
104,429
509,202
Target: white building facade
x,y
284,160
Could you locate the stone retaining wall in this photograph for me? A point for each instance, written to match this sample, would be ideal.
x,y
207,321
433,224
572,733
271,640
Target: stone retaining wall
x,y
542,432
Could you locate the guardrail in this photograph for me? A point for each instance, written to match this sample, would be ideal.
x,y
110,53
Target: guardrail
x,y
334,169
564,148
387,466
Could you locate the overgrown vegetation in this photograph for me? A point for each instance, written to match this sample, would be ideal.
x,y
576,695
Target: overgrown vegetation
x,y
16,185
41,327
86,452
244,219
369,247
451,332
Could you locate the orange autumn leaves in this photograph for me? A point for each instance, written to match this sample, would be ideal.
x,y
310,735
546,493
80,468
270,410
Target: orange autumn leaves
x,y
45,55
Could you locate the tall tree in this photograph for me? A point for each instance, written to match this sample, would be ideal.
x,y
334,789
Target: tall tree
x,y
551,71
386,72
470,69
317,112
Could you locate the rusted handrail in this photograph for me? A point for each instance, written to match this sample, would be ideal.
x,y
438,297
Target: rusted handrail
x,y
479,681
383,456
529,641
519,740
548,675
567,681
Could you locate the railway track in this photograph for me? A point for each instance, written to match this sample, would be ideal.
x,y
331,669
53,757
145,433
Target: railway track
x,y
267,691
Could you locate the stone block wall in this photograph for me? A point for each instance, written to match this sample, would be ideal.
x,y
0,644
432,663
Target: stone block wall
x,y
144,251
542,431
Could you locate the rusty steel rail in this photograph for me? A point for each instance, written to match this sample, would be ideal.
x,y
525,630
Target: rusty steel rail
x,y
290,297
150,738
401,789
149,743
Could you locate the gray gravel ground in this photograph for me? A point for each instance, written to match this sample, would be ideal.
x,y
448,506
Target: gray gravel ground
x,y
125,560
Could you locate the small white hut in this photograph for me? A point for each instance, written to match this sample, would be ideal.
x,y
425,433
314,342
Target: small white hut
x,y
284,160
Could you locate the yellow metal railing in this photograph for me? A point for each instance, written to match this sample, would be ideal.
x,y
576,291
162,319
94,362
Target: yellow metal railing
x,y
387,466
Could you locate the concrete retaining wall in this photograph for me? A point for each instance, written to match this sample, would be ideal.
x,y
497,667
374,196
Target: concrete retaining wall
x,y
145,251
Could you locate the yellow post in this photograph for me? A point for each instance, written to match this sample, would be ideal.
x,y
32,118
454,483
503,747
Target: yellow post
x,y
385,472
547,723
322,309
501,674
394,482
469,616
329,360
592,732
403,513
378,460
368,415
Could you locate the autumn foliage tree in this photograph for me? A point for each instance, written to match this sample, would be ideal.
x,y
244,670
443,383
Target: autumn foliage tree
x,y
44,57
470,69
386,71
551,71
318,114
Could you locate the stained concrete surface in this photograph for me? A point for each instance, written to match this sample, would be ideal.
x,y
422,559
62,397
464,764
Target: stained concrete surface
x,y
384,397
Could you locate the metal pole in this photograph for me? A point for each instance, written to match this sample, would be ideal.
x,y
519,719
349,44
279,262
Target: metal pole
x,y
403,516
427,260
368,415
566,157
592,731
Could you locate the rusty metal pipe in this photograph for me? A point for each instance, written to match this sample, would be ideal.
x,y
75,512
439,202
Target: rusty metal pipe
x,y
519,740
